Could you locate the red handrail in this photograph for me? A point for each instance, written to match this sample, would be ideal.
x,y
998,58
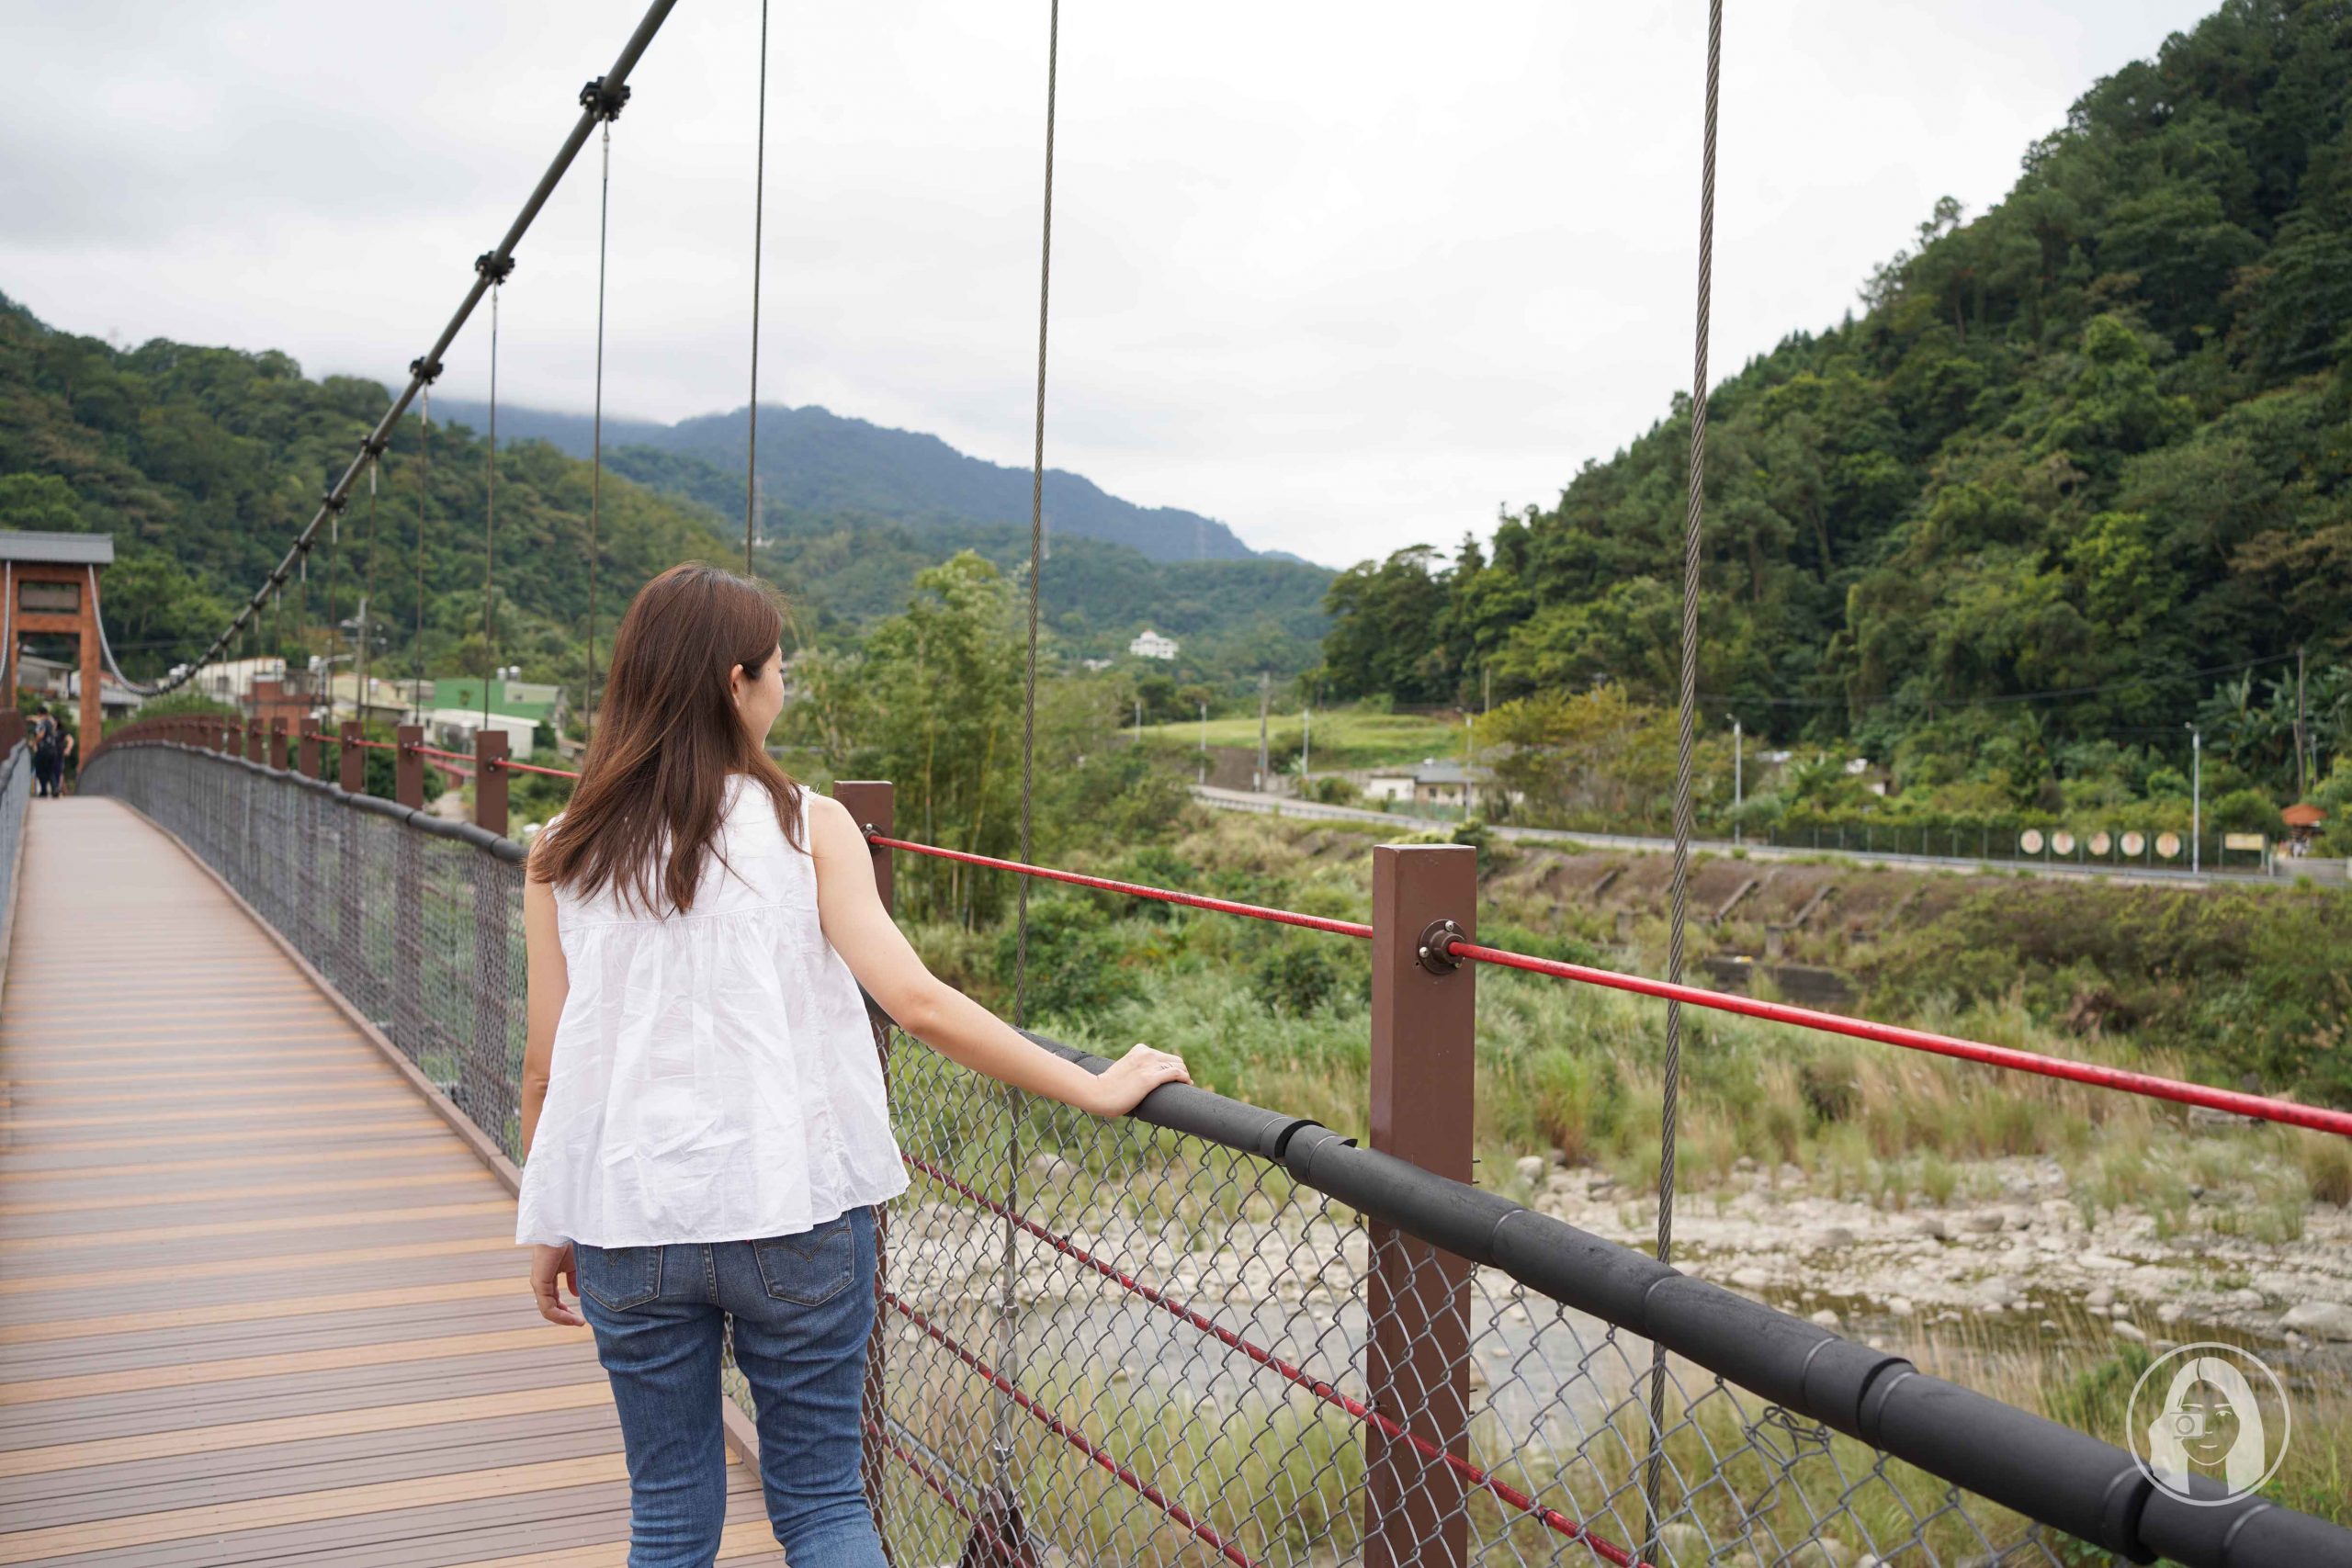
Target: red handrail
x,y
2260,1107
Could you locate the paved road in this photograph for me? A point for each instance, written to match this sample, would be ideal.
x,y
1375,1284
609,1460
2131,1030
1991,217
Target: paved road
x,y
1244,800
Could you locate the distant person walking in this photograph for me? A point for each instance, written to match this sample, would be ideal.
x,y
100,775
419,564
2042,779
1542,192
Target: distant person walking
x,y
703,1118
51,746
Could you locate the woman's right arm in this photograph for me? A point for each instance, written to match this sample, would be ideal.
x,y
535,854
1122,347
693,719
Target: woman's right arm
x,y
548,982
877,953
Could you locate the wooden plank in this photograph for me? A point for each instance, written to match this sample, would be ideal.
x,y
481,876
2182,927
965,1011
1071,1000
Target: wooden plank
x,y
283,1191
167,1318
745,1539
271,1106
109,1279
210,1519
430,1413
188,1374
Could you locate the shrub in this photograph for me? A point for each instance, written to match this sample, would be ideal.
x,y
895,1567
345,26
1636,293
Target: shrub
x,y
1295,976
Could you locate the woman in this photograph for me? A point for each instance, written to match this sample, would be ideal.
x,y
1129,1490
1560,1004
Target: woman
x,y
703,1118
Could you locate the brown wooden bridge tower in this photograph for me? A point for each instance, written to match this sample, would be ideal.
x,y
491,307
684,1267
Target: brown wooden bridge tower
x,y
50,586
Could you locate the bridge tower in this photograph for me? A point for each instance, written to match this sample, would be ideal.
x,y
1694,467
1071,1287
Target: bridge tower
x,y
50,583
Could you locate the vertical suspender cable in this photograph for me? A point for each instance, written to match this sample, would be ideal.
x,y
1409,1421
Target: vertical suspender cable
x,y
596,440
423,490
758,222
1001,1447
367,595
489,524
1685,728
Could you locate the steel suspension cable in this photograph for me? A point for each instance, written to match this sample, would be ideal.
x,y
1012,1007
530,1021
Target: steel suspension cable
x,y
422,368
423,490
367,597
759,223
1001,1446
1686,723
490,520
596,438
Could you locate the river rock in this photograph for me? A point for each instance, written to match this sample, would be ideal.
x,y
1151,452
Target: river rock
x,y
1899,1306
1830,1238
1530,1168
2101,1298
2127,1330
2321,1320
1929,1226
1978,1221
1825,1318
1751,1279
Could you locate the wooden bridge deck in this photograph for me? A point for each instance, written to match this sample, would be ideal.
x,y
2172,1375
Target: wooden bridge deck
x,y
258,1303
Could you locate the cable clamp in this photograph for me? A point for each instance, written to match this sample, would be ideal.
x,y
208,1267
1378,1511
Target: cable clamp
x,y
604,103
493,267
428,374
334,500
377,446
1435,950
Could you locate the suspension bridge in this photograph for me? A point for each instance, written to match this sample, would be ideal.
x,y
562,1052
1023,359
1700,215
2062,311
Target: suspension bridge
x,y
262,1037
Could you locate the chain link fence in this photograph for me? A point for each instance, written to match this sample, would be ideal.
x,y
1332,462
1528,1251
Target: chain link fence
x,y
1210,1333
16,797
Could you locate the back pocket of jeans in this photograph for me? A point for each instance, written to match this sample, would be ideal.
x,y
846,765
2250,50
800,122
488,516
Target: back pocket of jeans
x,y
618,1277
810,1268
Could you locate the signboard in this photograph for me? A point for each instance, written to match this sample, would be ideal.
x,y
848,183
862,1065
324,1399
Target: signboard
x,y
2101,842
2031,841
2254,841
2134,842
2062,842
2168,845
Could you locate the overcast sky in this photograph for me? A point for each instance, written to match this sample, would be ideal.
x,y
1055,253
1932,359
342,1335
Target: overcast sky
x,y
1347,275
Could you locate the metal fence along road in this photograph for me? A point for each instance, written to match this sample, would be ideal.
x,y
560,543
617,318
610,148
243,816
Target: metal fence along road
x,y
1211,1332
2126,854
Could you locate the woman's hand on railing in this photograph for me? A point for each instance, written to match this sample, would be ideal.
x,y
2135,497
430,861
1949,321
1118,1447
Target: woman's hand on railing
x,y
1121,1086
550,1264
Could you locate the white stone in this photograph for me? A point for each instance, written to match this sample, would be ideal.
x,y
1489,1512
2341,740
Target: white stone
x,y
1751,1279
1899,1306
2101,1298
2127,1330
1825,1318
2321,1320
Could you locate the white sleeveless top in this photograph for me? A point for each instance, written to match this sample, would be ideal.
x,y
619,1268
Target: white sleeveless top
x,y
714,1076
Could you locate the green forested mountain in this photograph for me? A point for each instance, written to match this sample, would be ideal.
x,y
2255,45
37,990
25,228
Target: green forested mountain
x,y
204,463
2080,473
816,463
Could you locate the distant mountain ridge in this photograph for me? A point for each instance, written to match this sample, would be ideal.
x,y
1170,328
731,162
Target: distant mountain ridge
x,y
816,463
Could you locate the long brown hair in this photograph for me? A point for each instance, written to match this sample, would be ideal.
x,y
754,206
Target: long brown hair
x,y
667,737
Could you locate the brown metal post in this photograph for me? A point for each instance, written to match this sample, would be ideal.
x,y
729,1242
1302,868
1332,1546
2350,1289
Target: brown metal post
x,y
351,759
408,768
256,740
1424,1014
873,803
277,743
306,750
491,779
408,898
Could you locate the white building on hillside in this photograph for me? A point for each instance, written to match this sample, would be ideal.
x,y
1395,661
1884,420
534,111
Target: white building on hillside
x,y
1149,644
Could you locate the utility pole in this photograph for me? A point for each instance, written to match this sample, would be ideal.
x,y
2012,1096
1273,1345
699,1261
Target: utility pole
x,y
2196,798
1139,721
1265,696
1738,790
1204,743
1305,740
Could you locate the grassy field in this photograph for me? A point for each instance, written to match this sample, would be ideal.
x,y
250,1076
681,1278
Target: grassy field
x,y
1344,738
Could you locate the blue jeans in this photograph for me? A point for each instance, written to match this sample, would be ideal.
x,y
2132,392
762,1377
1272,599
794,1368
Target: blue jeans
x,y
802,1307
